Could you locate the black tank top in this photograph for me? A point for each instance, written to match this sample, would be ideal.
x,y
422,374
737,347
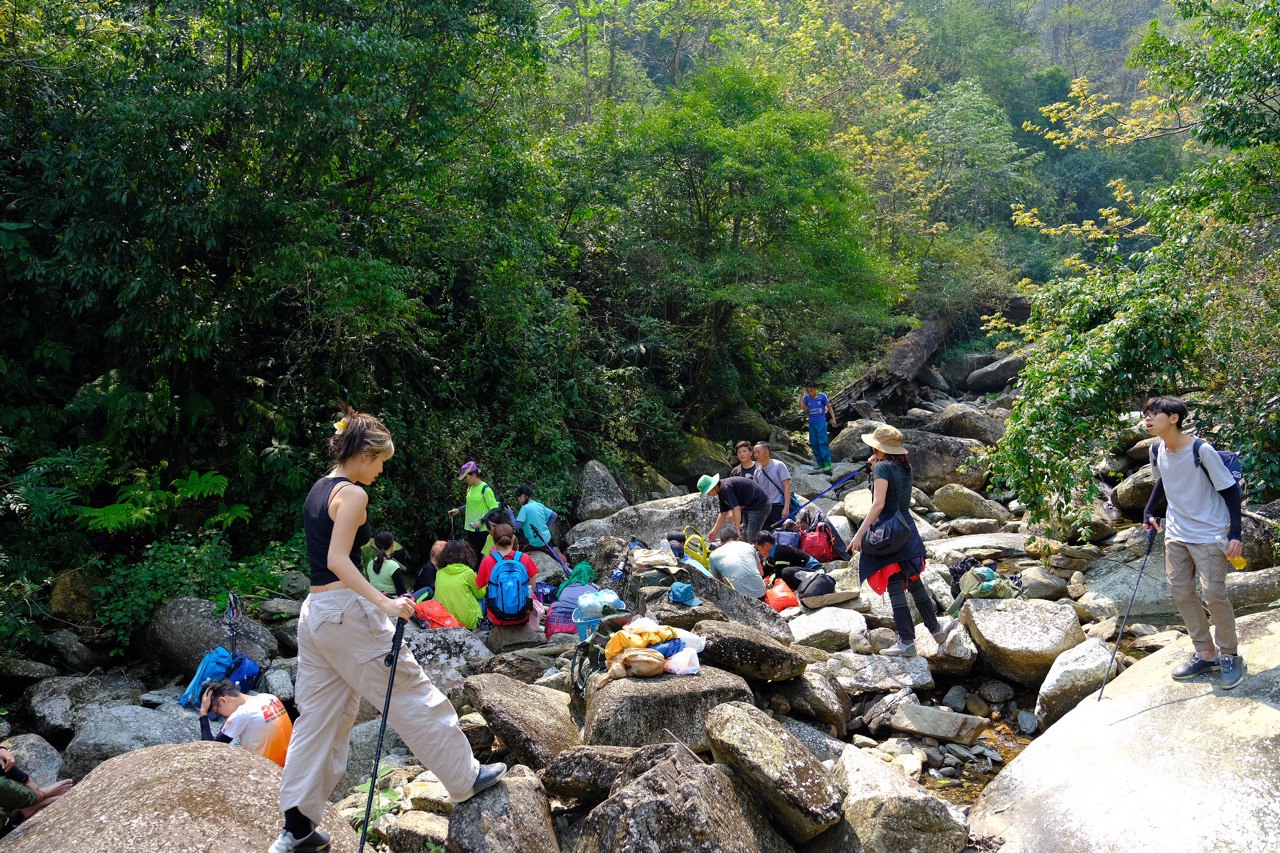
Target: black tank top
x,y
318,529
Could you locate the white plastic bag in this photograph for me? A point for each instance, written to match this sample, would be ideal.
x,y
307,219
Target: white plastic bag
x,y
691,640
683,662
642,624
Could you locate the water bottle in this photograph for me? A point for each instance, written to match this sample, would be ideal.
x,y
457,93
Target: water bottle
x,y
1237,563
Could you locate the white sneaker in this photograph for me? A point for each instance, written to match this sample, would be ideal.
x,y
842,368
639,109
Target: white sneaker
x,y
900,650
945,626
316,842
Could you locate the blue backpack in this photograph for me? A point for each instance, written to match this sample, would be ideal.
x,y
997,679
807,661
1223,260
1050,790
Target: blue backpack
x,y
216,665
507,598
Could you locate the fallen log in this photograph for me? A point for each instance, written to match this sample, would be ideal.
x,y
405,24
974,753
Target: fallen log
x,y
893,373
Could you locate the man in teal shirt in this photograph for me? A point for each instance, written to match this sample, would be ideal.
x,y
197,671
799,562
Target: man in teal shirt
x,y
535,521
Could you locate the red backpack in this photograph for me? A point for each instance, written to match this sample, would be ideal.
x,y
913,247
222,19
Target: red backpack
x,y
817,544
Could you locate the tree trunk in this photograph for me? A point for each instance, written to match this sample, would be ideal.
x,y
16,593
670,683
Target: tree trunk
x,y
894,372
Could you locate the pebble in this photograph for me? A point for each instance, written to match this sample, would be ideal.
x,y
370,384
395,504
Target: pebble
x,y
955,698
995,691
949,772
976,705
951,761
864,742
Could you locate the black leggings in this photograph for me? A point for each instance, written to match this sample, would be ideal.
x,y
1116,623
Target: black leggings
x,y
899,584
476,539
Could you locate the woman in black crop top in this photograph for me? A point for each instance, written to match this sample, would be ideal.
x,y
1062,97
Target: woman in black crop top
x,y
344,634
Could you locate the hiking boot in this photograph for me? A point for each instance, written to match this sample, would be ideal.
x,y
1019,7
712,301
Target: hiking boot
x,y
316,842
945,626
1196,666
1232,671
826,469
900,650
487,777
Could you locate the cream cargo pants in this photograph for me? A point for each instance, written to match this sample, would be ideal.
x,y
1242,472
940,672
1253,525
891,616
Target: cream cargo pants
x,y
342,642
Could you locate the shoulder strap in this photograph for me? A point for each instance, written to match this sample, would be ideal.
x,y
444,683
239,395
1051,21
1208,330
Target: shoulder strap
x,y
765,470
335,490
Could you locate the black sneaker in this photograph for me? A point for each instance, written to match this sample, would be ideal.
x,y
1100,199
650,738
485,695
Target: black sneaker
x,y
1232,671
1196,666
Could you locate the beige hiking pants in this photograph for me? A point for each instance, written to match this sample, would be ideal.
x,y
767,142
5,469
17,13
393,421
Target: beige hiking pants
x,y
1183,561
342,642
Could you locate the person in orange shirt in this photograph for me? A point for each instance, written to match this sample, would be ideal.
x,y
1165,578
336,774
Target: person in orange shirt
x,y
259,721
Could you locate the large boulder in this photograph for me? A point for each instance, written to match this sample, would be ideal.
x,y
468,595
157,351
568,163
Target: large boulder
x,y
599,494
848,445
960,420
740,423
36,756
650,522
178,798
953,658
815,695
107,732
1133,492
525,665
789,779
57,705
748,652
950,550
74,654
1110,582
646,484
858,674
446,656
362,742
1261,525
998,374
185,629
957,370
585,772
738,608
958,502
828,628
674,807
639,711
888,812
512,815
535,725
691,457
937,460
1074,675
1125,768
1022,638
1253,589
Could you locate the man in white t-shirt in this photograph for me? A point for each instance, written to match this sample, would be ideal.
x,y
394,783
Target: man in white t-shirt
x,y
260,721
1201,532
738,563
775,478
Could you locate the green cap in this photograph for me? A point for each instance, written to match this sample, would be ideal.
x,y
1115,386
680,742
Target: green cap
x,y
707,482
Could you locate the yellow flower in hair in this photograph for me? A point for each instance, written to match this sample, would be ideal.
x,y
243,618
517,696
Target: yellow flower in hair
x,y
340,427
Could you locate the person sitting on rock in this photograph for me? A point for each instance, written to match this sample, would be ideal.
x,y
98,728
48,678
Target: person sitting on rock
x,y
259,721
425,584
535,520
456,586
737,564
20,796
504,538
386,574
741,501
783,560
899,570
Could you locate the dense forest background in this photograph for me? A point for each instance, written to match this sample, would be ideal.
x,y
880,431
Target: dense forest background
x,y
533,233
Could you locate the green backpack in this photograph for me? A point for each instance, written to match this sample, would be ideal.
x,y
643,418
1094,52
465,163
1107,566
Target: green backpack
x,y
986,582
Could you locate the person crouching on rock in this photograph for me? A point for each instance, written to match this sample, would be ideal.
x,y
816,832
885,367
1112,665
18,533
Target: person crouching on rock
x,y
259,721
20,796
344,635
898,571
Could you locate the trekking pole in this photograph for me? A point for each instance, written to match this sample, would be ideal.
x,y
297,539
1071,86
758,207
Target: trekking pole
x,y
390,660
863,470
1151,540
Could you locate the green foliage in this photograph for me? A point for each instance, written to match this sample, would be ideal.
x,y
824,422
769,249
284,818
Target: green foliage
x,y
183,564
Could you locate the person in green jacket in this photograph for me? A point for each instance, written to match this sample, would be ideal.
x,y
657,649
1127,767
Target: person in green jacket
x,y
480,501
456,585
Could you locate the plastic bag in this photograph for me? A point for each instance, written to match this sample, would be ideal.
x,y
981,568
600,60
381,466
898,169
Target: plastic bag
x,y
691,640
645,663
642,624
592,605
780,597
684,662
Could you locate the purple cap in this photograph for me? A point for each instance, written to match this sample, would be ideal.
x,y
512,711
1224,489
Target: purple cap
x,y
468,467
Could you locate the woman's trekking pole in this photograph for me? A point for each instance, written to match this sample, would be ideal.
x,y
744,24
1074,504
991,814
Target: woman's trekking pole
x,y
390,660
1151,540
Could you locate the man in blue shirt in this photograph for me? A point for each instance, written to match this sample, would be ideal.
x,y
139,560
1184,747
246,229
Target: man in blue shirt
x,y
818,407
535,521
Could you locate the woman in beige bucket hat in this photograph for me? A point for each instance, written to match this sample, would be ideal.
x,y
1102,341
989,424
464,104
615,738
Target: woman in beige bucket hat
x,y
897,571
